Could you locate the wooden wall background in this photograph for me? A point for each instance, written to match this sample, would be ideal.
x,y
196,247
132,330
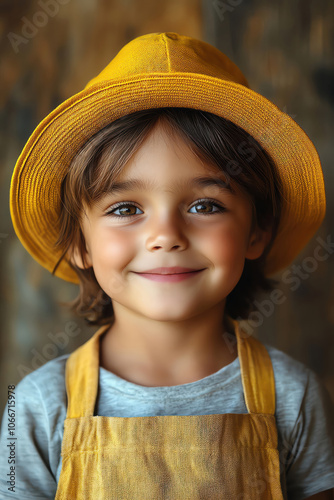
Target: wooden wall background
x,y
286,51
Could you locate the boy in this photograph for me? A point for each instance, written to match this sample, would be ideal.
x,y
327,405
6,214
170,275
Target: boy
x,y
175,196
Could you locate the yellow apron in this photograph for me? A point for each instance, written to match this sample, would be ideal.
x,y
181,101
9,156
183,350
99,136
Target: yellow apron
x,y
197,457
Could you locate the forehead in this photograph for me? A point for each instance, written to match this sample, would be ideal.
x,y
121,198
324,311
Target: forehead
x,y
166,160
217,184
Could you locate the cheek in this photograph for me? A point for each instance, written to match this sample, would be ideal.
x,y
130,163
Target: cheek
x,y
112,249
111,253
225,245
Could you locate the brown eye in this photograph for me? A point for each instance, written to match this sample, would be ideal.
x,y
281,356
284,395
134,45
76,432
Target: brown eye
x,y
125,210
205,208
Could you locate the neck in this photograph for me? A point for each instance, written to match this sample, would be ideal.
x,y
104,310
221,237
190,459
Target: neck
x,y
157,353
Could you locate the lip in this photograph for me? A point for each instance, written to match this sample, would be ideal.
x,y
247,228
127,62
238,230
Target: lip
x,y
169,270
171,274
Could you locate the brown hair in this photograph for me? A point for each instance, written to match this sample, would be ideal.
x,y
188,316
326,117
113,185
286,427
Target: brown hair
x,y
214,140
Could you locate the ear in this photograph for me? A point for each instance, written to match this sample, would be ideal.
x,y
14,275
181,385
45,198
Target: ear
x,y
258,241
76,257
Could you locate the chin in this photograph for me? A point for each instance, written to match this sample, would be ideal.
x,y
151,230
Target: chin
x,y
170,315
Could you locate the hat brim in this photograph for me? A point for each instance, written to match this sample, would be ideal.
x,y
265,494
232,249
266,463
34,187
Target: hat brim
x,y
35,188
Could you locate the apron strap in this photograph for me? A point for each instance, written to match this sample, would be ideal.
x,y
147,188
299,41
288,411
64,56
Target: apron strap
x,y
257,373
82,377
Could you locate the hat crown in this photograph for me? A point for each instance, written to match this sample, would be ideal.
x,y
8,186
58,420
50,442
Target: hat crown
x,y
169,53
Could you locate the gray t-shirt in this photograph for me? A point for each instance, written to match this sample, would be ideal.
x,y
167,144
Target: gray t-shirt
x,y
304,416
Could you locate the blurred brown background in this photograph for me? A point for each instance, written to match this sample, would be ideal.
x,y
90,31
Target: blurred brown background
x,y
51,48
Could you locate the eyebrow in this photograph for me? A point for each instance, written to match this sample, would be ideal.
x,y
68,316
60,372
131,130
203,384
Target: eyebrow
x,y
139,184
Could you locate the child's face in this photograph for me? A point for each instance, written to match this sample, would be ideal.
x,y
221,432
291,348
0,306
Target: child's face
x,y
171,223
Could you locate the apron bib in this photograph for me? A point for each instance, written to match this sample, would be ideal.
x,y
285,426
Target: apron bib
x,y
197,457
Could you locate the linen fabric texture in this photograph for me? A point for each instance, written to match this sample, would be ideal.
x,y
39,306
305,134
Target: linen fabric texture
x,y
174,457
304,417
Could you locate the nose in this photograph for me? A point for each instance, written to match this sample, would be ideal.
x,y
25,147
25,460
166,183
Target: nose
x,y
167,234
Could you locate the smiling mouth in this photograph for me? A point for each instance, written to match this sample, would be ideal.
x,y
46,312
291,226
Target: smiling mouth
x,y
173,274
171,277
170,270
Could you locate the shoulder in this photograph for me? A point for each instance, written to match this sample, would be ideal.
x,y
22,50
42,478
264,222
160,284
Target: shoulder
x,y
44,386
296,386
288,370
40,411
53,371
305,426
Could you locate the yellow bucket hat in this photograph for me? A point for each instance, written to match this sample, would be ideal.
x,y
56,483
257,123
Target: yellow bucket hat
x,y
164,70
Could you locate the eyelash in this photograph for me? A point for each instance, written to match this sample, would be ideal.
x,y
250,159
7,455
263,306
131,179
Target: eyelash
x,y
202,201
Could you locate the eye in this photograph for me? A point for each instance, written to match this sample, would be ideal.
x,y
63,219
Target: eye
x,y
205,207
125,210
